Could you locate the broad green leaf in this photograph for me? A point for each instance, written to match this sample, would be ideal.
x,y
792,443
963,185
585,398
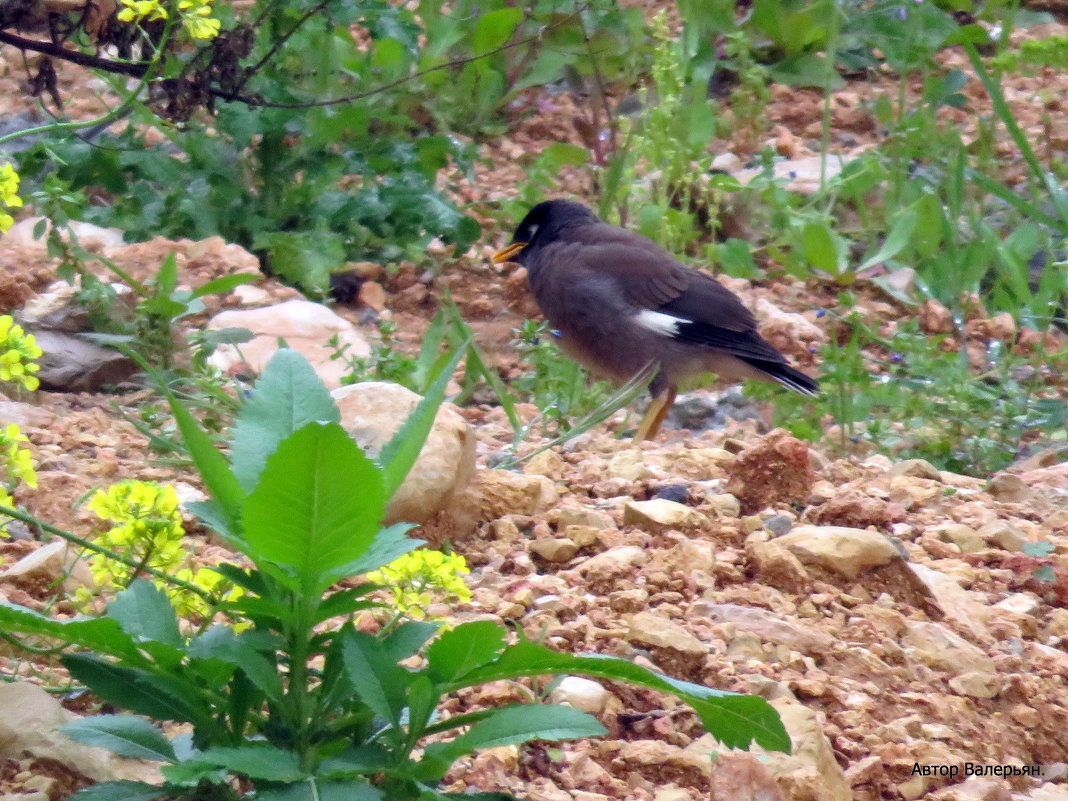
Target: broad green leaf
x,y
345,602
399,454
226,336
389,543
159,697
220,642
559,154
494,29
735,720
315,790
145,613
214,516
806,69
287,397
167,277
189,773
354,761
408,638
423,697
378,680
547,68
224,284
927,233
511,725
898,237
211,465
460,650
306,258
316,506
255,760
102,635
125,735
122,791
821,247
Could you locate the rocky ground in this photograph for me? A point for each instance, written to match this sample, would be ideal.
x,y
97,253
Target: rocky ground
x,y
887,609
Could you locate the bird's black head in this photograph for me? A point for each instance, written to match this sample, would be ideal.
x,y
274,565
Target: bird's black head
x,y
542,225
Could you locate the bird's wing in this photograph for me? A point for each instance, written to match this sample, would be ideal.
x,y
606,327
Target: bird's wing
x,y
682,303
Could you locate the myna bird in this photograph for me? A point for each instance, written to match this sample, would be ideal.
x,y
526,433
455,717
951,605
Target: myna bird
x,y
623,305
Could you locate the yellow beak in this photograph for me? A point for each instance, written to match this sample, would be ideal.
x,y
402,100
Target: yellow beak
x,y
505,254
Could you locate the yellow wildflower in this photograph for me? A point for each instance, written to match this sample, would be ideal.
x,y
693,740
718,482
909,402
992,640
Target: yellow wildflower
x,y
422,577
9,188
17,352
17,462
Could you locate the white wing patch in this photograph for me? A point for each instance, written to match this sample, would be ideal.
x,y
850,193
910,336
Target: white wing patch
x,y
659,322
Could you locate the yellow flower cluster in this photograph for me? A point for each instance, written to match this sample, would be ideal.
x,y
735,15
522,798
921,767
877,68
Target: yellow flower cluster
x,y
17,352
16,465
9,197
17,462
195,15
420,578
149,530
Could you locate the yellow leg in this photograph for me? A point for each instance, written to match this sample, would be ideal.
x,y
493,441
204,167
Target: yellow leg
x,y
654,415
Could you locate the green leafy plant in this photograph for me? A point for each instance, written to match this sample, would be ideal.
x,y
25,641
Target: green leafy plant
x,y
906,396
302,704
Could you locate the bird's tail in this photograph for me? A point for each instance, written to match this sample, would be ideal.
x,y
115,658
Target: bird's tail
x,y
786,375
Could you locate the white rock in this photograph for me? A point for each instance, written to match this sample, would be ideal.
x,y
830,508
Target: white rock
x,y
305,327
49,563
91,237
28,729
583,694
848,552
372,412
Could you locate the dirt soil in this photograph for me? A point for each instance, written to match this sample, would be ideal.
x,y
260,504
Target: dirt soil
x,y
960,658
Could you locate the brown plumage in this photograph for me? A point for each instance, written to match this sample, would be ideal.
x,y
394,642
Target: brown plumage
x,y
623,304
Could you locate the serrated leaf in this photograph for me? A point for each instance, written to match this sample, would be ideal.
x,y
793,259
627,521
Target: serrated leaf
x,y
735,720
225,284
460,650
220,642
378,680
125,735
316,506
363,759
494,29
407,638
158,697
287,397
390,543
145,613
255,760
102,635
511,725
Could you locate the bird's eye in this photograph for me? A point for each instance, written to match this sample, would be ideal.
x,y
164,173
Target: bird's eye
x,y
533,231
